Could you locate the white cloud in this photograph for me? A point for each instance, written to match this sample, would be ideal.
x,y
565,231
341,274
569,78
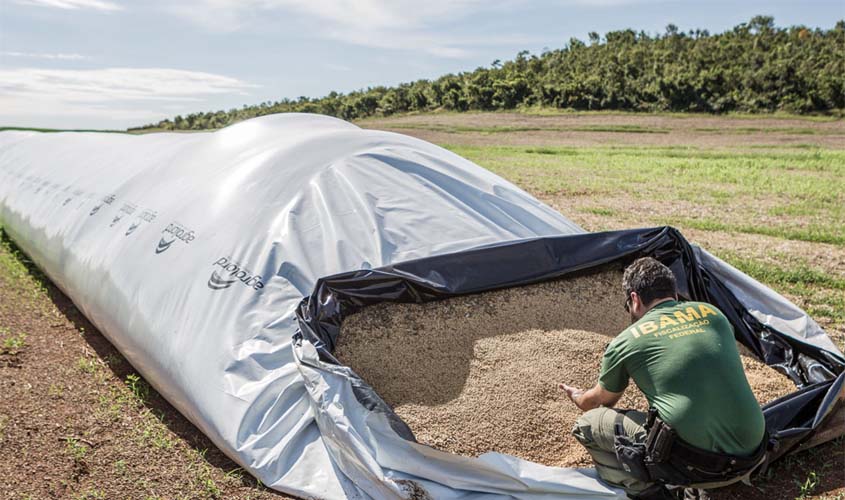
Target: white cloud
x,y
73,4
110,84
43,55
386,24
114,94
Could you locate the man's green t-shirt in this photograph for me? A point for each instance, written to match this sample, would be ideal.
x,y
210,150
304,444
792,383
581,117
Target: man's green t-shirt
x,y
683,357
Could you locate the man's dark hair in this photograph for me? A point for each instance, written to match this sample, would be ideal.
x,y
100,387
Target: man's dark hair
x,y
650,279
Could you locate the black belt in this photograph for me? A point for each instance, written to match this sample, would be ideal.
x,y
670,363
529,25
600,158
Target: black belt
x,y
667,458
713,462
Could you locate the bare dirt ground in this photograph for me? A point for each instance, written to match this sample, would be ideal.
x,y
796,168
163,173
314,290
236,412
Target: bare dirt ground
x,y
602,129
77,422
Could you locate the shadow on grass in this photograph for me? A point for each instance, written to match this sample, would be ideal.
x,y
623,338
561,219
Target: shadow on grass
x,y
122,369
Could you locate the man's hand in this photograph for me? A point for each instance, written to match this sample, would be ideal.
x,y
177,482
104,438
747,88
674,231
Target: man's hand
x,y
572,392
593,398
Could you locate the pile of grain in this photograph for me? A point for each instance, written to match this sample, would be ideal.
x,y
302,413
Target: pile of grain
x,y
479,373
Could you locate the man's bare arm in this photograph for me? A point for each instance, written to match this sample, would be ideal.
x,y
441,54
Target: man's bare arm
x,y
593,398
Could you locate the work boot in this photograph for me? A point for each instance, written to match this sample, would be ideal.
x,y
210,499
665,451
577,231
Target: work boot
x,y
696,494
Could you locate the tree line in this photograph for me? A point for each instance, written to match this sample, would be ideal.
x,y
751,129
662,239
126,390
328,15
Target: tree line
x,y
756,67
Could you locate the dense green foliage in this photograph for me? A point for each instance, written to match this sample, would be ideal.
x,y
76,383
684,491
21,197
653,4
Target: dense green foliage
x,y
755,67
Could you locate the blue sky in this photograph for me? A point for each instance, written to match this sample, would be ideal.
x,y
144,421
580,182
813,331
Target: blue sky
x,y
118,63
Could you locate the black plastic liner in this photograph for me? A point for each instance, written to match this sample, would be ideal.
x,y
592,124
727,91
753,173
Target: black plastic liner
x,y
798,420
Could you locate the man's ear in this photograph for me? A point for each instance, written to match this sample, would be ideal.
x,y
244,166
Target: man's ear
x,y
637,305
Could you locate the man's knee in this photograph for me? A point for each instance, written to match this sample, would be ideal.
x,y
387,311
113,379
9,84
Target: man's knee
x,y
583,429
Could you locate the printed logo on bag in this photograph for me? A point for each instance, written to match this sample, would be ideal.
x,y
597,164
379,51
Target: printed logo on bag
x,y
108,200
145,216
132,228
174,231
126,209
75,194
163,245
231,272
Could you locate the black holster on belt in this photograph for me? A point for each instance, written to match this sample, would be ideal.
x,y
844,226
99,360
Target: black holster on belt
x,y
664,457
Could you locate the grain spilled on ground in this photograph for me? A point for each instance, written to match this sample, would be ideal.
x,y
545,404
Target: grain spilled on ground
x,y
767,383
479,373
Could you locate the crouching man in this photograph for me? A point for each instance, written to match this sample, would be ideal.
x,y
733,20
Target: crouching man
x,y
704,428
